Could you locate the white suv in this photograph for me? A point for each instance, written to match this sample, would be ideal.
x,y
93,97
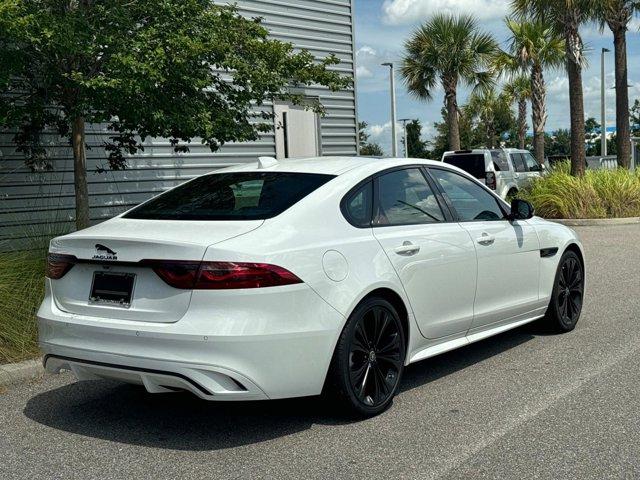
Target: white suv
x,y
505,170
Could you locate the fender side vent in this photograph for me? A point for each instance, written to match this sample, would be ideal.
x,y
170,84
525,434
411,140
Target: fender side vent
x,y
548,252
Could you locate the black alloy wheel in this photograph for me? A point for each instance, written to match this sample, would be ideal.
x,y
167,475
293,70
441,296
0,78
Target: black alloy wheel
x,y
568,294
369,359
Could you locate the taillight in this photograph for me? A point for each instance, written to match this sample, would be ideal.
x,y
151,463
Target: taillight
x,y
58,265
226,275
176,273
221,275
491,180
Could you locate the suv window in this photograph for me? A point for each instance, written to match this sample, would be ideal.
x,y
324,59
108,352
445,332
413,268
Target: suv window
x,y
500,162
231,196
532,163
358,206
472,163
519,163
470,200
405,198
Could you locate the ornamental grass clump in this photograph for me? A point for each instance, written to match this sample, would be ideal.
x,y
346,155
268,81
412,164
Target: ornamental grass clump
x,y
598,194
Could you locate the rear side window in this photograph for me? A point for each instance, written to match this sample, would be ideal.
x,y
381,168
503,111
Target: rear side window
x,y
519,162
500,161
231,196
358,206
472,163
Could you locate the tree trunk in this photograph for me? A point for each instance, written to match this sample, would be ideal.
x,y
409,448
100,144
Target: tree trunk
x,y
538,110
623,133
576,99
522,124
451,102
80,173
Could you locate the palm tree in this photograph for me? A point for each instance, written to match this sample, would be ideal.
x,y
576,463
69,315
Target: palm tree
x,y
518,90
485,106
566,17
533,47
448,50
617,14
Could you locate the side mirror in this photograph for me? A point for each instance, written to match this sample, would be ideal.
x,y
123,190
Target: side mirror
x,y
521,210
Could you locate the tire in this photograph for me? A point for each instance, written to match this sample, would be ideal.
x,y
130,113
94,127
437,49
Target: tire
x,y
567,296
368,362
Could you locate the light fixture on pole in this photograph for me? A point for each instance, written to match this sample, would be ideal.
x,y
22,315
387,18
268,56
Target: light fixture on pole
x,y
404,130
394,142
603,107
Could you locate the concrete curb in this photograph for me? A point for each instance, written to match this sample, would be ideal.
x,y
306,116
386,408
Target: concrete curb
x,y
596,222
14,373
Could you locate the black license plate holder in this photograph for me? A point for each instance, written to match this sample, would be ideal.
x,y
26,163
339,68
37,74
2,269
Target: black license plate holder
x,y
112,288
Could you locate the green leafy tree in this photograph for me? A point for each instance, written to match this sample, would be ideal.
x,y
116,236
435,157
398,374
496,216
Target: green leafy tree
x,y
592,135
566,17
367,149
417,148
178,69
533,47
469,135
559,142
617,14
635,118
445,51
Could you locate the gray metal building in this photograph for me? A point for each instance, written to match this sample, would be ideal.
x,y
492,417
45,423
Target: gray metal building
x,y
39,204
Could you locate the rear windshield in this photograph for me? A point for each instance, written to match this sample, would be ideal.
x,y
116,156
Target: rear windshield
x,y
231,196
472,163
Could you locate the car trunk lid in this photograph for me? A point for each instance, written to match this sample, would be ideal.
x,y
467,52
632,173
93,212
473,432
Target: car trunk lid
x,y
118,249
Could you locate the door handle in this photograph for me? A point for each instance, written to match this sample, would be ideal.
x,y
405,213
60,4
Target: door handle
x,y
486,239
407,249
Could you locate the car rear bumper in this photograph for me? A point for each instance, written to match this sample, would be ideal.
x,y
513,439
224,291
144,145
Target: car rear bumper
x,y
215,360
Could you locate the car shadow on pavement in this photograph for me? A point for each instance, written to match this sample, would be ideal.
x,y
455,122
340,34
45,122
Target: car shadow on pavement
x,y
180,421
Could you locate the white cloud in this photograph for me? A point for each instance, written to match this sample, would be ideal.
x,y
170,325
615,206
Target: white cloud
x,y
363,72
396,12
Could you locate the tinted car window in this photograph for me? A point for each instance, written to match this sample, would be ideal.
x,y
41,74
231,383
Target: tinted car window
x,y
472,163
358,207
500,161
231,196
405,198
518,162
470,200
532,164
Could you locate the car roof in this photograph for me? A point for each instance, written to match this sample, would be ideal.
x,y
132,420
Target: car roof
x,y
329,165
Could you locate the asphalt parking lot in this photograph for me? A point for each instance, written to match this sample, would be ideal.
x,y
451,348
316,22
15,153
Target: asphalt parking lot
x,y
521,405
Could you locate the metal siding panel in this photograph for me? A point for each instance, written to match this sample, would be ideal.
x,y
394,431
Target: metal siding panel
x,y
44,202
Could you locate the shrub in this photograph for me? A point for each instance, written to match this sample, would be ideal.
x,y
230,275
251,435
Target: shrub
x,y
21,291
599,194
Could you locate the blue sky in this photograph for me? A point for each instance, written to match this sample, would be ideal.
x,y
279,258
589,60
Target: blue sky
x,y
383,25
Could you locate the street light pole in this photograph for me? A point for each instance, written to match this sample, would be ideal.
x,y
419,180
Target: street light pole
x,y
603,105
404,129
392,86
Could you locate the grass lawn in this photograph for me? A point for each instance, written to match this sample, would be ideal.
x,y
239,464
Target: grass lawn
x,y
21,291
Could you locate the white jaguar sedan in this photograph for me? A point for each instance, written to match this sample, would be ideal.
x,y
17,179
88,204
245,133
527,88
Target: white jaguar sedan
x,y
293,278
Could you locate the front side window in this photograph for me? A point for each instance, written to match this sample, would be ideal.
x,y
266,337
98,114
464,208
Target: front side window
x,y
532,163
405,198
231,196
470,200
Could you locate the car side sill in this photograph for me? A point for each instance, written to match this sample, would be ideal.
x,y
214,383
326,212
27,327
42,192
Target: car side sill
x,y
433,350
